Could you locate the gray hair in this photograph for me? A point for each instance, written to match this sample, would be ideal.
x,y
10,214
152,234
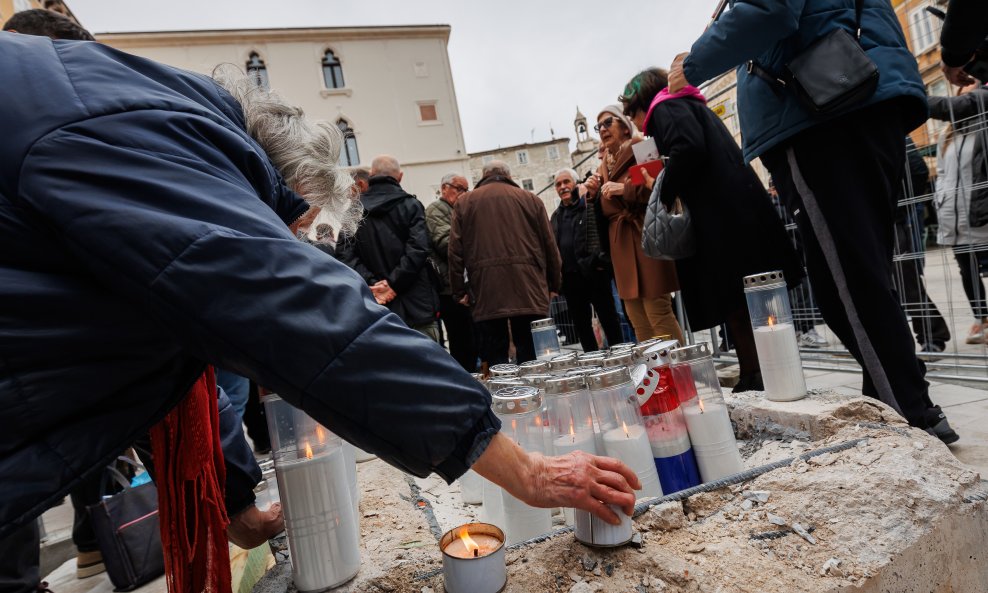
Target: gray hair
x,y
565,171
384,164
305,153
496,167
449,177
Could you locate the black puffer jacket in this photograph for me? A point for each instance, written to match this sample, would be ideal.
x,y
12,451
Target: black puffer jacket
x,y
393,244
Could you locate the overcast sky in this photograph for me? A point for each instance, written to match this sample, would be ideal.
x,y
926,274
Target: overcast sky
x,y
518,65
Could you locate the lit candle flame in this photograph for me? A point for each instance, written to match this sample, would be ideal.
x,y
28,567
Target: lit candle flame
x,y
308,450
771,321
700,401
320,434
624,425
468,542
572,430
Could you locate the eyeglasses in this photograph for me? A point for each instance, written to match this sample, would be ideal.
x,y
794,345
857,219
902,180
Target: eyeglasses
x,y
459,188
607,123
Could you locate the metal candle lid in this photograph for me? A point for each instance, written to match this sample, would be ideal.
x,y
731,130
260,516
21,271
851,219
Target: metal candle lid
x,y
585,371
568,384
764,280
536,380
563,362
622,359
622,347
533,367
518,399
609,378
658,355
690,353
501,382
504,370
592,354
543,323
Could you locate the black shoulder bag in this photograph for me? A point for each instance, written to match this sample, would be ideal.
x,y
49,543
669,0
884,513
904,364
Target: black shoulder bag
x,y
832,73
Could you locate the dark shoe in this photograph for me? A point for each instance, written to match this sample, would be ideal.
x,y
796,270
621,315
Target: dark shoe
x,y
939,427
752,382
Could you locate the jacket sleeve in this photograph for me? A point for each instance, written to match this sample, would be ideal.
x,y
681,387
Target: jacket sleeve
x,y
455,253
964,31
678,135
175,227
959,107
438,226
348,252
554,262
742,33
406,273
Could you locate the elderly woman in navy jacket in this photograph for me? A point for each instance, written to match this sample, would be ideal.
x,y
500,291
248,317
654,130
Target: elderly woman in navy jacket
x,y
838,173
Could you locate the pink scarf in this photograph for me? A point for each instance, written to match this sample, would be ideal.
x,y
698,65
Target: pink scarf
x,y
664,95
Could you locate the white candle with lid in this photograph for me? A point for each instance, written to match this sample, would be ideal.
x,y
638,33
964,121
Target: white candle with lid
x,y
767,296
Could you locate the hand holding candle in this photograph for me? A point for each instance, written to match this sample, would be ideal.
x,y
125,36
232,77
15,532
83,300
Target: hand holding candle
x,y
577,480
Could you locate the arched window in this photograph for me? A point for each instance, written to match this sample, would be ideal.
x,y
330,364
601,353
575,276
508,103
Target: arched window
x,y
348,156
332,71
257,71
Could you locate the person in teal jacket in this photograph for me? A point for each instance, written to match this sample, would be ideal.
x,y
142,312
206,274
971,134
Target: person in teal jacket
x,y
838,174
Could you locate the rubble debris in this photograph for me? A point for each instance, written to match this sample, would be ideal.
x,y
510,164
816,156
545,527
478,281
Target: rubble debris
x,y
759,496
803,533
831,567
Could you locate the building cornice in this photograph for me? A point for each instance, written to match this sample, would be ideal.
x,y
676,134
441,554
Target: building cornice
x,y
519,147
321,34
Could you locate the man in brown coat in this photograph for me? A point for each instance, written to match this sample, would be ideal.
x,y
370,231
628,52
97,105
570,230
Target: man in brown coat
x,y
502,238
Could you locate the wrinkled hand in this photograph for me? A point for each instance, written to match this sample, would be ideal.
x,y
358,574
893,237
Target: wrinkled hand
x,y
382,292
611,189
649,180
465,301
592,184
957,75
677,80
253,527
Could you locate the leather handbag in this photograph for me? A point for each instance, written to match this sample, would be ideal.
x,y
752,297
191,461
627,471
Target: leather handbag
x,y
126,528
831,74
667,234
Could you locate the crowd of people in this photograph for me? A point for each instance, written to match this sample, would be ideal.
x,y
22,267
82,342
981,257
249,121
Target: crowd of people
x,y
158,223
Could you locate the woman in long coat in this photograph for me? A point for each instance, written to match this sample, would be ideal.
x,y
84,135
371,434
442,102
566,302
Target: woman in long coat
x,y
644,284
737,230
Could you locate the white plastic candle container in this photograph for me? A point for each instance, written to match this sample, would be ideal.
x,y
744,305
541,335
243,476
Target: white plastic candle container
x,y
775,336
545,339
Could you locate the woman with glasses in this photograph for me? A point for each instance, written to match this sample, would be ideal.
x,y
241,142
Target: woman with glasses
x,y
737,231
644,284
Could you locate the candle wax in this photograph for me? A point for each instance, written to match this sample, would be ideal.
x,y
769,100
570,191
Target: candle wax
x,y
458,549
632,448
778,355
714,444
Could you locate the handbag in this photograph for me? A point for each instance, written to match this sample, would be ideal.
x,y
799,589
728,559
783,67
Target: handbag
x,y
831,74
126,528
667,234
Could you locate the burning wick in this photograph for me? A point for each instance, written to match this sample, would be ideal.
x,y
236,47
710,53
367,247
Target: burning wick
x,y
771,321
624,425
468,542
700,401
320,435
308,450
572,432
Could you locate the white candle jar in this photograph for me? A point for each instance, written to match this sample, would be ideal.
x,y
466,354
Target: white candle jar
x,y
708,420
622,431
775,336
533,367
520,409
545,339
320,518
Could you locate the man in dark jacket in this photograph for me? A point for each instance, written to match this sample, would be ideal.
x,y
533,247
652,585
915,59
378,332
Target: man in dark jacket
x,y
845,220
586,281
964,31
501,238
147,234
456,317
391,249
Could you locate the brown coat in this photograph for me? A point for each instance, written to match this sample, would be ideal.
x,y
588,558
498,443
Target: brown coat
x,y
501,236
637,276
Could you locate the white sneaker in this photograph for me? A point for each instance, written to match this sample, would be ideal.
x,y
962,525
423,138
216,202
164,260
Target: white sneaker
x,y
812,339
977,335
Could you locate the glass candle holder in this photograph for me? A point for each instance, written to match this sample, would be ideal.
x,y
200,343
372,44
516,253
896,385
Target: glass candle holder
x,y
775,336
533,367
665,423
571,427
323,534
624,358
591,359
473,559
622,431
503,370
545,339
706,413
520,409
559,365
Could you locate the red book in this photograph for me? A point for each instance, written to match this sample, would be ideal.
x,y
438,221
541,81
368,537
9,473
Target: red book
x,y
653,168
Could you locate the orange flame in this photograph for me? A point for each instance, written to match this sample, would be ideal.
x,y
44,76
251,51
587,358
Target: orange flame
x,y
624,425
700,401
771,321
572,430
308,450
320,434
468,542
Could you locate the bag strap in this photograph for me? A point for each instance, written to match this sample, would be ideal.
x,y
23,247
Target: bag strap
x,y
778,82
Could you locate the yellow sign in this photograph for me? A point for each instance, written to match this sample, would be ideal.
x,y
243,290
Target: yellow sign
x,y
720,110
